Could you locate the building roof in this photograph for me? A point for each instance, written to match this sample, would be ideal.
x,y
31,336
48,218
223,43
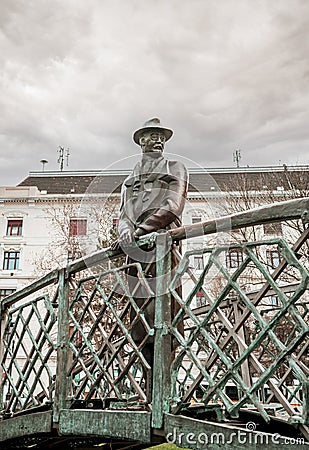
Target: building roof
x,y
201,180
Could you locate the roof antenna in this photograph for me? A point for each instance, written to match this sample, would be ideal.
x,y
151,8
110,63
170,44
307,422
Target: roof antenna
x,y
237,157
63,153
43,162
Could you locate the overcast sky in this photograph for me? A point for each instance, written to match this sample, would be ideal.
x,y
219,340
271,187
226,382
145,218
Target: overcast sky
x,y
84,74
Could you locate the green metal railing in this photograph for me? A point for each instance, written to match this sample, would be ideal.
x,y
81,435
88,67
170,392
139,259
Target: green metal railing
x,y
67,340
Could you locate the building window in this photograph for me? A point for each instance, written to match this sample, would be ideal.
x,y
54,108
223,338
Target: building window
x,y
274,300
273,229
11,260
115,223
14,227
272,258
234,258
73,255
5,292
196,219
198,262
200,299
78,227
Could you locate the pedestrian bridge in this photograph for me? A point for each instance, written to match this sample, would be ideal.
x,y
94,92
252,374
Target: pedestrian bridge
x,y
238,374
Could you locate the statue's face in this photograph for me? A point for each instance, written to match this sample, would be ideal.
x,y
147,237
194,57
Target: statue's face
x,y
152,141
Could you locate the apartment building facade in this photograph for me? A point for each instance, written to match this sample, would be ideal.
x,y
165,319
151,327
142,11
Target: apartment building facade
x,y
51,218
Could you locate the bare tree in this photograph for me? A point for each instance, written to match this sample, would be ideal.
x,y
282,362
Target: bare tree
x,y
75,231
246,190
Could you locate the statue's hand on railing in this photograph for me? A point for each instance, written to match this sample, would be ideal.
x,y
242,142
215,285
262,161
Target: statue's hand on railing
x,y
125,239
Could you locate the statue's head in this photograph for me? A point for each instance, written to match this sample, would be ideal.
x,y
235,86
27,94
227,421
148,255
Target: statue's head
x,y
152,136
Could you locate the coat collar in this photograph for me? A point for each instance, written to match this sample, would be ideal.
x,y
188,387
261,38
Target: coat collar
x,y
160,169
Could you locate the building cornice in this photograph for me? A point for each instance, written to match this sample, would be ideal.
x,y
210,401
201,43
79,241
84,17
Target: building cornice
x,y
193,170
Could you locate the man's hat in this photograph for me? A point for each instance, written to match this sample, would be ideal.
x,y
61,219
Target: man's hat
x,y
152,124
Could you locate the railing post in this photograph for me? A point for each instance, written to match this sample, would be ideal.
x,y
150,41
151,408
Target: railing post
x,y
61,381
162,348
3,319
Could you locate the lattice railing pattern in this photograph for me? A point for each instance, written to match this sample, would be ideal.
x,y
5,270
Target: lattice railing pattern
x,y
69,339
29,356
241,348
106,365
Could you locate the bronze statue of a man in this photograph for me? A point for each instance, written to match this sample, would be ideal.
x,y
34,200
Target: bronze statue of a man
x,y
153,195
152,199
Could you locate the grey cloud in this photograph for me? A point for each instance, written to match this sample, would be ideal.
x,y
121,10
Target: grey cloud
x,y
86,74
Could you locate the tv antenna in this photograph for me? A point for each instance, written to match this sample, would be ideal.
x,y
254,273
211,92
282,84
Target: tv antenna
x,y
43,162
237,157
63,153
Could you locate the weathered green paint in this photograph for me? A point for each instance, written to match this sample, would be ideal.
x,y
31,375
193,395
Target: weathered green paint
x,y
23,323
291,209
62,387
306,402
133,425
162,353
25,425
220,353
3,321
